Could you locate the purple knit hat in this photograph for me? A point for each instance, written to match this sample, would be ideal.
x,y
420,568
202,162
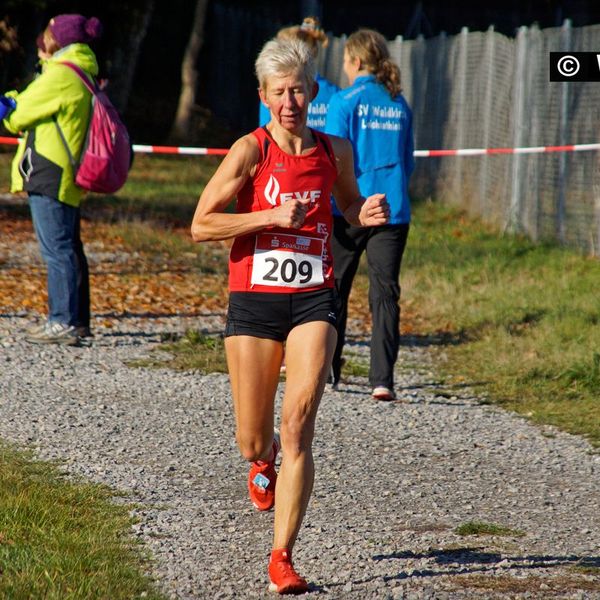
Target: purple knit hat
x,y
71,29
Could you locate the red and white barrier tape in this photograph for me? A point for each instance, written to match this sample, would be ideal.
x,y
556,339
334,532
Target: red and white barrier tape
x,y
529,150
178,150
146,149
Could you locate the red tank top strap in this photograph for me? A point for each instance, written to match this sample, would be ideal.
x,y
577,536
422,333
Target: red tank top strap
x,y
264,141
324,139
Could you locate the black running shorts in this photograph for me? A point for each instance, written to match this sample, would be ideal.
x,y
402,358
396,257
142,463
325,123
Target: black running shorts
x,y
273,316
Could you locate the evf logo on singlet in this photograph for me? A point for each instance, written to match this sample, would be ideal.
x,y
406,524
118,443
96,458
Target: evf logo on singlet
x,y
272,190
273,193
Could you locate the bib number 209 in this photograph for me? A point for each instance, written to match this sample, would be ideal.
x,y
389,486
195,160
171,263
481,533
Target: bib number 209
x,y
288,270
287,261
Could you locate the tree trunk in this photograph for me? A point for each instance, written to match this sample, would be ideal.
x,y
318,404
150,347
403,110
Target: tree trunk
x,y
125,55
189,76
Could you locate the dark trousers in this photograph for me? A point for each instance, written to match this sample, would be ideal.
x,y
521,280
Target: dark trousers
x,y
384,247
57,227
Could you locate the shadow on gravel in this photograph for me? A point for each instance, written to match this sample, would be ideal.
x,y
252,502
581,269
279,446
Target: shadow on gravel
x,y
437,385
163,336
403,401
440,397
131,315
155,315
414,339
461,561
439,339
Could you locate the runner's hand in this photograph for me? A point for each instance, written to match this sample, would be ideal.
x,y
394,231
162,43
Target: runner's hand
x,y
291,214
374,211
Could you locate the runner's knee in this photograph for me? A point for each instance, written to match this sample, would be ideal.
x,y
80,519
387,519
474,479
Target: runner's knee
x,y
297,432
254,447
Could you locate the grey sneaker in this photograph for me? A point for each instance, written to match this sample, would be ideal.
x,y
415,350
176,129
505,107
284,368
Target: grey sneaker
x,y
37,329
54,333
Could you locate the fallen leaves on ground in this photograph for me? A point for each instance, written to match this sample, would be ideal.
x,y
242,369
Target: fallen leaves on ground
x,y
133,283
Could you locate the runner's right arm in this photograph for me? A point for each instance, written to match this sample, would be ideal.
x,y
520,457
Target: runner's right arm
x,y
210,221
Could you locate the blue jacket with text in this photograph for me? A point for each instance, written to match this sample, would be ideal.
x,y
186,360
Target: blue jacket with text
x,y
380,130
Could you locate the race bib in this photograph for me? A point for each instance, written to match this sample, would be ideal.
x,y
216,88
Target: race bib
x,y
284,260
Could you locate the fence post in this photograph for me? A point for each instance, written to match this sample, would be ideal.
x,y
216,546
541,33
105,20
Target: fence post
x,y
536,64
565,43
512,223
487,112
595,233
415,93
396,49
442,99
462,101
334,59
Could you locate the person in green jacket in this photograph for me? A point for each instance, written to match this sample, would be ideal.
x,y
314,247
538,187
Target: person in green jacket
x,y
57,100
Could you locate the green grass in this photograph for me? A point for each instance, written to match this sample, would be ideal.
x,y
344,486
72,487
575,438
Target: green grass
x,y
161,190
194,351
355,365
165,244
526,316
63,540
480,528
144,237
153,212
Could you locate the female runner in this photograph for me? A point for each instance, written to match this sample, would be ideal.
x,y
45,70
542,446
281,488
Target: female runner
x,y
281,284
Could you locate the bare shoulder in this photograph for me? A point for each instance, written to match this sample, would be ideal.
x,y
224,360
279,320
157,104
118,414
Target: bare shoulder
x,y
244,154
341,146
342,149
247,145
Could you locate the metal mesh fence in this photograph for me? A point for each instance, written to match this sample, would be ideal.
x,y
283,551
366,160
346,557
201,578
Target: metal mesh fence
x,y
484,90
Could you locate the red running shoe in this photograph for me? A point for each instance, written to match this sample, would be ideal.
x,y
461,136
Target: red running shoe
x,y
262,479
284,579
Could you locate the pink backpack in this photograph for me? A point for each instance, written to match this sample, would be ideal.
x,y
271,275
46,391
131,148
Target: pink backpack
x,y
106,154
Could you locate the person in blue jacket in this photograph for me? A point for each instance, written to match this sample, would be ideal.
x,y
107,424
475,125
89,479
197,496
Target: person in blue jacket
x,y
310,33
375,117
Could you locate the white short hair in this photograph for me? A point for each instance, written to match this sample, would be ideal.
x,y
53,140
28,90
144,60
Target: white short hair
x,y
281,57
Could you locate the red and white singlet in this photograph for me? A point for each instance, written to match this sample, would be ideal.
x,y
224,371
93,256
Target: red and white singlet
x,y
278,259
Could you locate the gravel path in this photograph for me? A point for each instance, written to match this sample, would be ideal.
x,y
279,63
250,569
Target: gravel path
x,y
393,480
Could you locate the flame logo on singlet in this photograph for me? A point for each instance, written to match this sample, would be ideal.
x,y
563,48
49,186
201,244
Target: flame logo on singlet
x,y
272,190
